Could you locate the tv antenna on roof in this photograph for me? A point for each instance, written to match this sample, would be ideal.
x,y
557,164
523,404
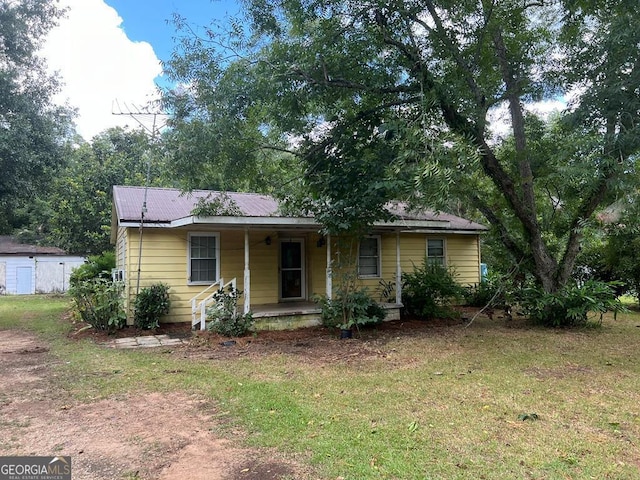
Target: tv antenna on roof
x,y
142,114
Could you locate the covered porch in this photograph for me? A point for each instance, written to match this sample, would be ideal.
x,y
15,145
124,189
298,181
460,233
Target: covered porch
x,y
300,267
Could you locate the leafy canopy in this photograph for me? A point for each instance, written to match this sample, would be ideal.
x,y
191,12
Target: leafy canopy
x,y
402,100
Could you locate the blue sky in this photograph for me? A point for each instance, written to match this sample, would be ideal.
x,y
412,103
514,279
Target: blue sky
x,y
108,54
146,20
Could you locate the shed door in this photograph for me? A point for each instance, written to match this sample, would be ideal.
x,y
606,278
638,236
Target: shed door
x,y
24,277
292,273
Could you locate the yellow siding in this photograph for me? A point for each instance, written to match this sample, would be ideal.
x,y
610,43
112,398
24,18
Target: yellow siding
x,y
165,258
462,255
316,267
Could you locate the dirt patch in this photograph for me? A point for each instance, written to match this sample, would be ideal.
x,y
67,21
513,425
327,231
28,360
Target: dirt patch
x,y
313,345
147,436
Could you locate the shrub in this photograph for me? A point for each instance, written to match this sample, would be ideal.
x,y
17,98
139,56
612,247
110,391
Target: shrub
x,y
351,309
429,290
223,315
570,306
490,292
151,303
99,303
97,266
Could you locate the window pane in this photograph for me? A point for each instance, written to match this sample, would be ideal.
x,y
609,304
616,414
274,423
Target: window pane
x,y
291,254
368,270
435,261
369,247
203,261
435,251
203,247
369,257
203,270
292,284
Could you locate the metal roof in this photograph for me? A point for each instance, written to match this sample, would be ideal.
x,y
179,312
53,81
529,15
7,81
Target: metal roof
x,y
11,246
173,208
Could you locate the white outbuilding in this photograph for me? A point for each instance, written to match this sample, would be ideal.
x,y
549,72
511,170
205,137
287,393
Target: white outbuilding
x,y
28,269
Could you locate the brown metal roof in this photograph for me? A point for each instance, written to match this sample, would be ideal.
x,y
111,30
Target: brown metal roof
x,y
165,205
11,246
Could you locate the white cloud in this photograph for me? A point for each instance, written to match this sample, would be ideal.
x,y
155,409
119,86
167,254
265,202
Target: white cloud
x,y
100,65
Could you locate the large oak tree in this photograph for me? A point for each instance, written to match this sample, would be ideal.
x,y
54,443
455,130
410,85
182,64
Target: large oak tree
x,y
402,99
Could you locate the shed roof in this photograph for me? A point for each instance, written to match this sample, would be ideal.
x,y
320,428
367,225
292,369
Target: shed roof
x,y
11,246
173,208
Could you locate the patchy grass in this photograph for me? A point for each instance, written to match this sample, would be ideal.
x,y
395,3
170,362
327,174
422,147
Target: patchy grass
x,y
490,401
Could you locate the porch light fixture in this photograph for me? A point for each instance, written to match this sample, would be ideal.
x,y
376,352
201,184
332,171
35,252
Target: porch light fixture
x,y
267,241
321,242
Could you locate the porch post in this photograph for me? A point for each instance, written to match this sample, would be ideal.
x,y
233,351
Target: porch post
x,y
398,270
329,270
247,273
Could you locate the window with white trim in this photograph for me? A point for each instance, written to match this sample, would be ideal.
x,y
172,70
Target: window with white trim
x,y
369,257
204,254
436,251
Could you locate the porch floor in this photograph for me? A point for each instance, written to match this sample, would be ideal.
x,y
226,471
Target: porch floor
x,y
285,309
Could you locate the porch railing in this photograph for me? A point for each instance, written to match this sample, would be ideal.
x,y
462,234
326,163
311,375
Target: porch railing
x,y
202,300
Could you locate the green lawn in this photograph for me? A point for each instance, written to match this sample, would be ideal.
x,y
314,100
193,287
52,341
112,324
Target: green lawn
x,y
444,405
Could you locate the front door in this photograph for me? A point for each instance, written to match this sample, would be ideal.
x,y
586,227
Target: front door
x,y
292,274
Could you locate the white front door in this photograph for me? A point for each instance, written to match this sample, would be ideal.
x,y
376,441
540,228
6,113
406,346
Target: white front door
x,y
292,273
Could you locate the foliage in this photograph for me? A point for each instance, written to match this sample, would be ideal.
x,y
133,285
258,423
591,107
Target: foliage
x,y
570,306
224,317
620,248
33,130
387,291
428,291
352,308
99,302
97,266
413,91
215,205
491,292
150,305
78,209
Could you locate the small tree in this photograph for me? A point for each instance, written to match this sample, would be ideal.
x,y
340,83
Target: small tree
x,y
223,315
429,290
150,305
351,305
99,303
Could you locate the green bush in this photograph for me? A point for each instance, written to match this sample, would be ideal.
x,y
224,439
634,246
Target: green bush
x,y
223,315
151,303
351,309
428,292
570,306
97,266
491,291
99,303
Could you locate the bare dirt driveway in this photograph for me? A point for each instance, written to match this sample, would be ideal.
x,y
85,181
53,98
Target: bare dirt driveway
x,y
127,437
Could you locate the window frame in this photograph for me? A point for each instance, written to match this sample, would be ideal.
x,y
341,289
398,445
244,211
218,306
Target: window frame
x,y
191,235
378,257
444,251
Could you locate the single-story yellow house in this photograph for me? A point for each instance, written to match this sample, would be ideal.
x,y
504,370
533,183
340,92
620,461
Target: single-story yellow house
x,y
279,262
